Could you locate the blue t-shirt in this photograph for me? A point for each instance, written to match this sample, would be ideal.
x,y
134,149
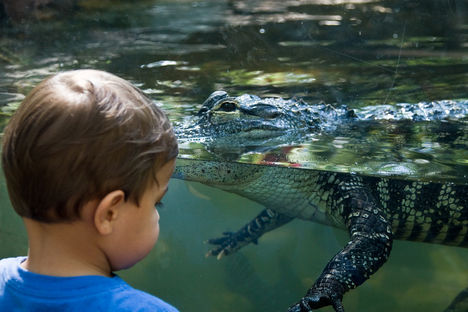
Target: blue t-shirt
x,y
21,290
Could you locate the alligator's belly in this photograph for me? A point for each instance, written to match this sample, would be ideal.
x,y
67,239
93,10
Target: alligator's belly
x,y
301,194
419,211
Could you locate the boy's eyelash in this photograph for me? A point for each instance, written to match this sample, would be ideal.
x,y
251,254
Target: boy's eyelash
x,y
159,205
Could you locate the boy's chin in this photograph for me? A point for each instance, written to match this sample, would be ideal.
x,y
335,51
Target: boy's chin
x,y
127,262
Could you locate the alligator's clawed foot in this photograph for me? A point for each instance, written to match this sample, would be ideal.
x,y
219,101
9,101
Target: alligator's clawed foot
x,y
231,242
225,245
316,299
306,304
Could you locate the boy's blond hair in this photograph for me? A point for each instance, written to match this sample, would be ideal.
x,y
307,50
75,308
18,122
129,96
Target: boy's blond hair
x,y
78,136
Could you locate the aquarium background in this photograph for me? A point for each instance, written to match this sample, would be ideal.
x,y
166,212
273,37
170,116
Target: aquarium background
x,y
357,53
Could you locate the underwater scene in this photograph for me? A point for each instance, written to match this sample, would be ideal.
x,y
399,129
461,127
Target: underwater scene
x,y
385,83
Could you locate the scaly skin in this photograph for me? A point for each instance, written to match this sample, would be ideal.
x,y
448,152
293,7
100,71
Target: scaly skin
x,y
373,210
248,120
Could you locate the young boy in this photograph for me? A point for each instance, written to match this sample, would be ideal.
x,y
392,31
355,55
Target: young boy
x,y
86,158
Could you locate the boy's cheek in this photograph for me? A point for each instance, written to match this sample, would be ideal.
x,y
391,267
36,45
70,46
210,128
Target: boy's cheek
x,y
135,241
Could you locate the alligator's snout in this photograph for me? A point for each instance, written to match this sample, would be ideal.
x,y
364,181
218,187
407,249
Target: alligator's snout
x,y
247,119
246,115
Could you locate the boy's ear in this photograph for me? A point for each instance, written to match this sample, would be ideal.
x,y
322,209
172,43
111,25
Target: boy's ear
x,y
107,211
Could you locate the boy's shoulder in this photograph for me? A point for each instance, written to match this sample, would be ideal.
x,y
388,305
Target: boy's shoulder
x,y
55,293
132,299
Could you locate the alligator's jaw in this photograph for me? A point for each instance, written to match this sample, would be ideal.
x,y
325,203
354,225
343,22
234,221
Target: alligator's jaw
x,y
220,174
257,183
185,171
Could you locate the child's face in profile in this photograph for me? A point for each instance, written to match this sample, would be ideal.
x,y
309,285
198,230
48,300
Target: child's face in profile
x,y
139,228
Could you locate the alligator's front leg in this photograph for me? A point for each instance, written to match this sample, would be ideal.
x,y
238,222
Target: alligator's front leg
x,y
266,221
368,249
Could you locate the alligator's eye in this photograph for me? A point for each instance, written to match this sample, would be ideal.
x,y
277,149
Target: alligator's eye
x,y
211,101
227,106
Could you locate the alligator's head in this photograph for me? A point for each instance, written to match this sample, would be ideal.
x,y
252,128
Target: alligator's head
x,y
251,121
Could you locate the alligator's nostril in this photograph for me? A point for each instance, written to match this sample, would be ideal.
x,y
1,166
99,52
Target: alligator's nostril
x,y
263,111
273,114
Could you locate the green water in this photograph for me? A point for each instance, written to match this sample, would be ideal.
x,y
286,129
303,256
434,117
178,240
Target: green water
x,y
273,274
357,53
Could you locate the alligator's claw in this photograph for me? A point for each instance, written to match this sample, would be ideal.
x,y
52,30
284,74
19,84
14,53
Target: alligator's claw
x,y
307,303
225,245
231,242
320,296
221,240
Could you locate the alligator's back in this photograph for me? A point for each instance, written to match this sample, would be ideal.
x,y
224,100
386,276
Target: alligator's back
x,y
422,211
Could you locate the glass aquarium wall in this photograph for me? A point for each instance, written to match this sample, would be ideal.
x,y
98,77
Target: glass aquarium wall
x,y
357,53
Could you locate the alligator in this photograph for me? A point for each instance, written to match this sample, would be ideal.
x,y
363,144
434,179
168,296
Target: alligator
x,y
249,122
374,210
